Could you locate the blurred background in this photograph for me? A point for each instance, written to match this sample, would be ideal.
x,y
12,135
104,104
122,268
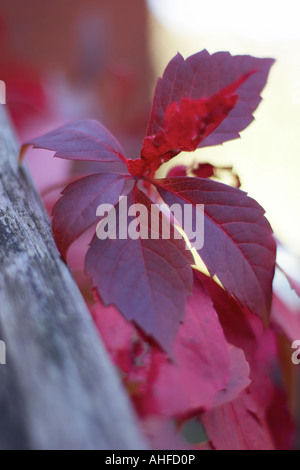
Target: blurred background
x,y
70,59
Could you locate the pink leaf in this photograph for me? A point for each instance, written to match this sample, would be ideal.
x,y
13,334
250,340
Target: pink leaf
x,y
237,426
238,243
238,378
205,370
201,363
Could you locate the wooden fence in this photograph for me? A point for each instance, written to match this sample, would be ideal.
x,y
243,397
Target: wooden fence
x,y
58,388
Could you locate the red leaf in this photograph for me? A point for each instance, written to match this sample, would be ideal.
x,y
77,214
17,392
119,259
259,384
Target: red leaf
x,y
186,124
180,170
202,75
81,140
237,426
204,170
238,243
147,279
75,211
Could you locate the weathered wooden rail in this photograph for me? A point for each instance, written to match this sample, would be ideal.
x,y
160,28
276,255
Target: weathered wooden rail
x,y
58,388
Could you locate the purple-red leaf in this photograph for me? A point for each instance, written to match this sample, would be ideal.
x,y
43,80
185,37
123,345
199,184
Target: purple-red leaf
x,y
76,210
202,75
238,243
147,279
81,140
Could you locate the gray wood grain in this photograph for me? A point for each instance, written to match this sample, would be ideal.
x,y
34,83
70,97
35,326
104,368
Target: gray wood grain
x,y
58,389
